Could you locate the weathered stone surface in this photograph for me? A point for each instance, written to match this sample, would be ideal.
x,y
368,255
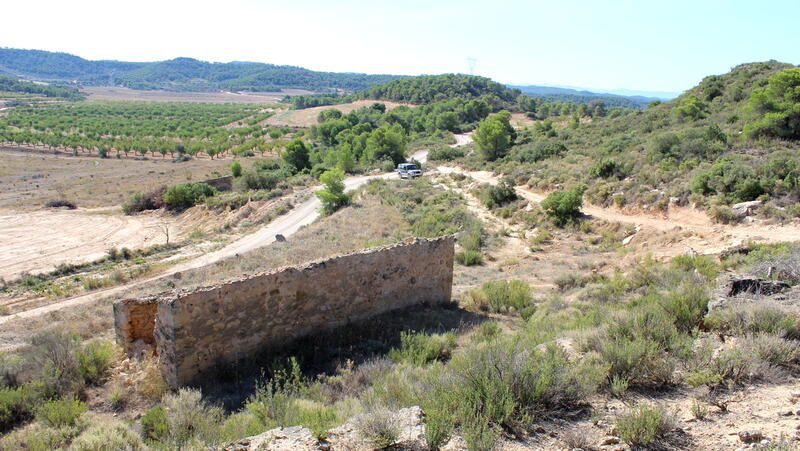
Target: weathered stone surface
x,y
750,436
192,331
745,208
293,438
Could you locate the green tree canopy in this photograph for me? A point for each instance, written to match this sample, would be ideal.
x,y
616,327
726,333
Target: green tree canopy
x,y
776,106
386,142
296,155
495,135
332,194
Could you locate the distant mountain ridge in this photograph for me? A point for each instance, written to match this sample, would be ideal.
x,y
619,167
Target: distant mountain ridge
x,y
179,74
559,93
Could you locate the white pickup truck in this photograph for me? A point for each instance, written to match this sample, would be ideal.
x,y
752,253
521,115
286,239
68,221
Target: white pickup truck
x,y
408,170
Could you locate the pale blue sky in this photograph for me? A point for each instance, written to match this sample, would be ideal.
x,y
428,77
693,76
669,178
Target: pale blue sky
x,y
645,45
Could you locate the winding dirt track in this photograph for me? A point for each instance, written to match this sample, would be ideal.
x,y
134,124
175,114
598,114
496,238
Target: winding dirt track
x,y
715,237
286,225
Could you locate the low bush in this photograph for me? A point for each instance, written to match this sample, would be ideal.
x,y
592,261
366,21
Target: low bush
x,y
564,206
60,203
494,196
445,153
190,419
753,319
380,427
108,436
500,296
644,424
61,412
469,257
154,424
773,349
95,359
420,348
141,202
186,195
18,404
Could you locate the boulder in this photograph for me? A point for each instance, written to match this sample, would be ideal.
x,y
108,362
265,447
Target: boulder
x,y
745,208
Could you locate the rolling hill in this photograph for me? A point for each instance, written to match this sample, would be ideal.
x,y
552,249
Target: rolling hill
x,y
179,74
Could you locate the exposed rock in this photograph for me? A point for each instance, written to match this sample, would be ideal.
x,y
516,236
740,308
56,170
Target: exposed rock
x,y
741,249
279,439
280,238
410,422
745,208
756,285
750,436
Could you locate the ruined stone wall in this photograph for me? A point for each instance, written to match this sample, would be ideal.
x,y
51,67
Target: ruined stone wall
x,y
196,330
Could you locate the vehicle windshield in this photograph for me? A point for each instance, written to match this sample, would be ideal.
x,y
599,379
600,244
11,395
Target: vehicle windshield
x,y
411,167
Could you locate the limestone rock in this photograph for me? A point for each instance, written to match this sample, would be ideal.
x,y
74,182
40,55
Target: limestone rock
x,y
279,439
745,208
750,436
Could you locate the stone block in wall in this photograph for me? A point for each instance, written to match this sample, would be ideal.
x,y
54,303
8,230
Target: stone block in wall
x,y
196,330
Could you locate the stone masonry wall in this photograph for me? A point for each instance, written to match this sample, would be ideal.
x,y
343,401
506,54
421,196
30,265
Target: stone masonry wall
x,y
193,331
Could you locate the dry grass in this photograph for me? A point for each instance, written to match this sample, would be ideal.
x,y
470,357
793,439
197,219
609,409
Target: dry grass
x,y
362,225
31,179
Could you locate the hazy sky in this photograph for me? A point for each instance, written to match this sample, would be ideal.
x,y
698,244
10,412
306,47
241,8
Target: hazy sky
x,y
647,45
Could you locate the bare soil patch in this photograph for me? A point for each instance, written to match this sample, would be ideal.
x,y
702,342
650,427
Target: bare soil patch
x,y
308,117
29,179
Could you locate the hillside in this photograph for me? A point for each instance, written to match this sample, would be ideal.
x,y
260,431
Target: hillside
x,y
179,74
11,87
729,139
572,95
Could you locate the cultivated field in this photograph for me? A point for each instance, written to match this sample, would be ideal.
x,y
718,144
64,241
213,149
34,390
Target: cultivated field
x,y
30,179
308,116
120,93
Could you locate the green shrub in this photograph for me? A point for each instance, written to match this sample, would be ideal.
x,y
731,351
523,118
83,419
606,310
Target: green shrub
x,y
18,404
501,295
479,433
332,194
95,359
420,348
494,196
190,419
260,180
61,412
141,202
379,427
773,349
236,168
753,319
108,436
644,424
564,206
154,424
53,357
187,195
445,153
538,151
687,305
469,257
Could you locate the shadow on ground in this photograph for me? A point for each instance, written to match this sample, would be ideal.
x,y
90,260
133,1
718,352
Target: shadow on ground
x,y
323,353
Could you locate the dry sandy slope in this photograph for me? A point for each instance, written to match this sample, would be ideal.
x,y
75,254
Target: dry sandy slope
x,y
696,230
308,116
38,241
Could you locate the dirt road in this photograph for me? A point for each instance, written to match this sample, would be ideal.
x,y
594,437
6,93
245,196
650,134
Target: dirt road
x,y
302,215
707,237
